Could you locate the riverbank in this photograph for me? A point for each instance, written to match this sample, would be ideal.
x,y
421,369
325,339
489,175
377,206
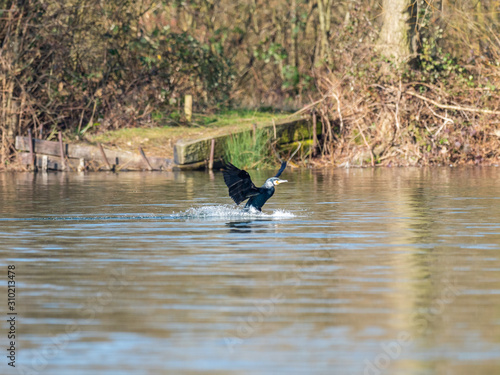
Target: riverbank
x,y
157,142
160,141
182,146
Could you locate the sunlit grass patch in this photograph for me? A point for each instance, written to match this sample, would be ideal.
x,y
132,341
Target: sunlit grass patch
x,y
249,150
159,140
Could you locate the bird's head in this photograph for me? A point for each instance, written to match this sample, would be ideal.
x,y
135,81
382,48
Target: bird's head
x,y
274,181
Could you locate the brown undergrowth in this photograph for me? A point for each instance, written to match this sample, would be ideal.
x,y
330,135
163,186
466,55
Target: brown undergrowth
x,y
439,107
407,124
90,67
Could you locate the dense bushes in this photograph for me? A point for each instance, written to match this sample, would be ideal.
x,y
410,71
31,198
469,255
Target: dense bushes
x,y
87,63
441,106
79,65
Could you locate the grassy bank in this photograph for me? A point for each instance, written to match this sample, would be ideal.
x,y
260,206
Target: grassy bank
x,y
159,141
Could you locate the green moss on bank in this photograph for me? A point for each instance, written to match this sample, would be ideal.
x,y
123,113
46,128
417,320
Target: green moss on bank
x,y
159,141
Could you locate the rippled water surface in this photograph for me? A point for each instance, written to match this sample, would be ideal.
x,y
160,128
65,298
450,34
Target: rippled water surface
x,y
385,271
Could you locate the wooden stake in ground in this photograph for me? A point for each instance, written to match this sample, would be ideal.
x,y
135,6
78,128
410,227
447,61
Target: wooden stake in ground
x,y
32,155
150,168
211,158
188,107
61,150
45,163
81,165
103,154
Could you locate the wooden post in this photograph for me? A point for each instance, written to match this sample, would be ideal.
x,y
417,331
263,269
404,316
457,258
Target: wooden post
x,y
274,128
32,154
61,151
254,132
188,107
145,159
211,159
315,136
45,163
103,154
81,165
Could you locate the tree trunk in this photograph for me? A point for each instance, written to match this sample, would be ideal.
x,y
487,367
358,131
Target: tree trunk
x,y
294,32
394,39
324,14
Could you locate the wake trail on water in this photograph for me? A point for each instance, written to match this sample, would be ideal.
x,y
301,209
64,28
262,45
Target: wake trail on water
x,y
231,212
120,217
203,212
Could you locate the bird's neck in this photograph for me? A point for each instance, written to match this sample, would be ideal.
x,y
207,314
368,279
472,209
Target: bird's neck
x,y
268,184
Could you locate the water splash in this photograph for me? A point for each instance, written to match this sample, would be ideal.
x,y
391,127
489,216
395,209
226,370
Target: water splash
x,y
203,212
231,212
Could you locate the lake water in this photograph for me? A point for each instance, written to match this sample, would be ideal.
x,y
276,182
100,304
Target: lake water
x,y
360,271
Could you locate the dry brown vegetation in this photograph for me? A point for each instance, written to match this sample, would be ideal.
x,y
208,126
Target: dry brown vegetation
x,y
90,66
441,107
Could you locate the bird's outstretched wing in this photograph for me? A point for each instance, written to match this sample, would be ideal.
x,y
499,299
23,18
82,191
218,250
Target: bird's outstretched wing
x,y
239,183
282,168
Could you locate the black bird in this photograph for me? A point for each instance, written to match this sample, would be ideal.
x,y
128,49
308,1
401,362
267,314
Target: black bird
x,y
241,186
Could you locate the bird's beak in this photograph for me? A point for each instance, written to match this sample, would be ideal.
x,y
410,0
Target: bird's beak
x,y
281,181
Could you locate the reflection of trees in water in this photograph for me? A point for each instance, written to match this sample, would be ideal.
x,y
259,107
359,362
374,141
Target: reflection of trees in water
x,y
369,258
62,193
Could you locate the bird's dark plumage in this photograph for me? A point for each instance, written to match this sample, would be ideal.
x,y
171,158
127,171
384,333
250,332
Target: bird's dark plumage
x,y
242,188
239,183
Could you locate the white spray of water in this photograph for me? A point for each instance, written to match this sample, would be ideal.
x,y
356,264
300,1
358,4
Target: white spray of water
x,y
230,212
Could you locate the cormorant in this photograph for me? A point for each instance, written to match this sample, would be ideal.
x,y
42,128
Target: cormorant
x,y
241,186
